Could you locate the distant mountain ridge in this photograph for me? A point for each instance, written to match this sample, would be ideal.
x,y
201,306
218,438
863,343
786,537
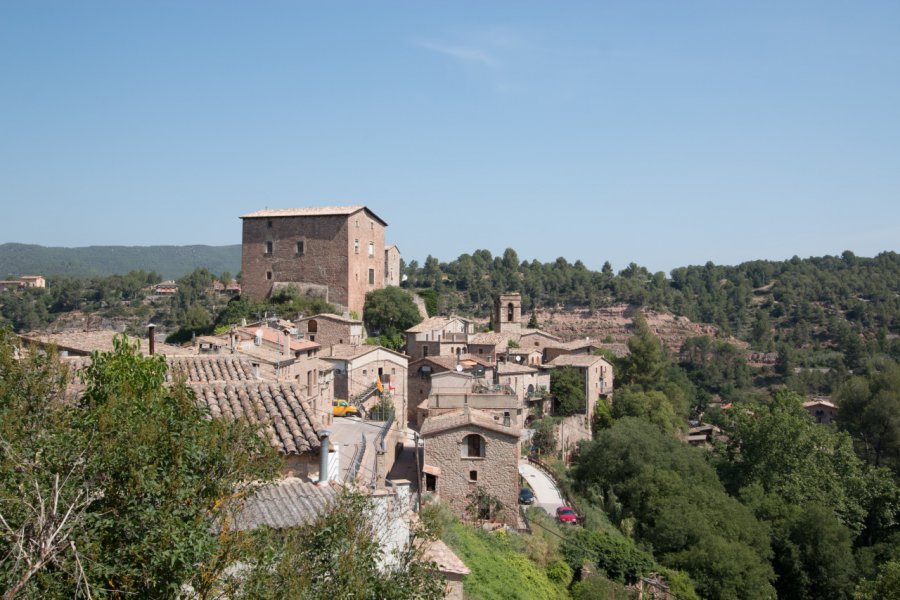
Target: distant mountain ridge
x,y
170,261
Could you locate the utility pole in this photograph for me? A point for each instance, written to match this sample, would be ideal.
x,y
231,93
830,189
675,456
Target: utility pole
x,y
418,470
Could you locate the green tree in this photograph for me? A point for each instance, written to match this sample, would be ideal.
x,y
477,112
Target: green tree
x,y
390,311
147,472
647,361
567,386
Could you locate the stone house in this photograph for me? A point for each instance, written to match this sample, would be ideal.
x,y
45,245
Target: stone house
x,y
421,371
330,330
598,377
823,410
33,281
453,390
392,266
439,336
467,449
488,345
336,253
536,340
582,346
358,369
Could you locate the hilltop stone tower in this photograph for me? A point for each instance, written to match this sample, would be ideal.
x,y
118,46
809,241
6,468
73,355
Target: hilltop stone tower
x,y
508,313
335,252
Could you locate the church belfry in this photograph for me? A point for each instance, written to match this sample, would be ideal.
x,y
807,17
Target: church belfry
x,y
507,312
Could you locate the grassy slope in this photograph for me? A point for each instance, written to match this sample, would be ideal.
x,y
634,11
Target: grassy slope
x,y
498,570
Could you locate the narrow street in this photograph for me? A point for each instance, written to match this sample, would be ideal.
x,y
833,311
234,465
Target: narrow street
x,y
546,494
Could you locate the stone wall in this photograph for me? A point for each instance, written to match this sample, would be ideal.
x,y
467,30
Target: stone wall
x,y
497,473
336,253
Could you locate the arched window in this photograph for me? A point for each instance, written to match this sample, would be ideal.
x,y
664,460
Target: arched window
x,y
473,446
312,326
509,312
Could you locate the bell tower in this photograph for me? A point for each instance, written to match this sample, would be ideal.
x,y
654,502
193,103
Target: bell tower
x,y
508,312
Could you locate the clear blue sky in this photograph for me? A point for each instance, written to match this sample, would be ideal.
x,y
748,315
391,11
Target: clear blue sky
x,y
664,133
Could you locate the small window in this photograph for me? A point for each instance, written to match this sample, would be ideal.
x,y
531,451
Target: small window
x,y
269,247
371,276
312,338
430,483
356,246
301,247
269,224
371,224
424,350
269,275
473,446
473,475
371,249
312,326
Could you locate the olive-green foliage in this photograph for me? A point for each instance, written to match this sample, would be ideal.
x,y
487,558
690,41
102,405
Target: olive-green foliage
x,y
544,441
870,412
812,463
432,301
885,585
567,384
653,406
616,555
498,570
647,360
390,311
680,507
598,587
338,555
713,365
157,471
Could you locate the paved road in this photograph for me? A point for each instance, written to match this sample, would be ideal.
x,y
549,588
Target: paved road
x,y
546,494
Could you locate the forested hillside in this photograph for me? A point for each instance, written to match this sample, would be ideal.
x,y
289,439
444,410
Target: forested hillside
x,y
829,311
90,261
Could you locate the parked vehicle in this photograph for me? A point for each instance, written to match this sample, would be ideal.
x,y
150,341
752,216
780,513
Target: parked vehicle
x,y
526,496
342,408
565,514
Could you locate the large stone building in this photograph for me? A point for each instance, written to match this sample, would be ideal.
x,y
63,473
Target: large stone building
x,y
336,252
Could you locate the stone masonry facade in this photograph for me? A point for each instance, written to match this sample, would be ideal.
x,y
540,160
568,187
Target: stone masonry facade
x,y
338,247
497,472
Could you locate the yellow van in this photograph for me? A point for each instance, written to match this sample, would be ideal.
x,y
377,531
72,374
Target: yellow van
x,y
341,408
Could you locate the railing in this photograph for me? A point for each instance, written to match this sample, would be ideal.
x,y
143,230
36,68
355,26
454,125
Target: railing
x,y
356,461
364,395
379,439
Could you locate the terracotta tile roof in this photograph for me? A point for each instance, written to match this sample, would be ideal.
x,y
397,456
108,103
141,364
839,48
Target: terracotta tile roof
x,y
577,344
511,368
315,211
288,503
819,402
207,368
577,360
527,332
446,560
489,337
85,342
349,352
464,418
445,362
274,336
434,324
210,368
285,417
339,318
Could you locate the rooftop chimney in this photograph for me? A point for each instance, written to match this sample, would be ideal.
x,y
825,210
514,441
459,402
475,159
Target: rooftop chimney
x,y
323,457
151,330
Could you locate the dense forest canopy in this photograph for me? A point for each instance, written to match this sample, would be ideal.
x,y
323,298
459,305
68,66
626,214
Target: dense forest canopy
x,y
93,261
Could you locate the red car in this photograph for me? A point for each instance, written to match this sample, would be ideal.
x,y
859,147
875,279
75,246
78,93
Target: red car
x,y
565,514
